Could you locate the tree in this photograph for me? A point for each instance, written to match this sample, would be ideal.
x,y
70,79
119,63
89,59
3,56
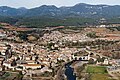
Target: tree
x,y
91,61
101,59
13,63
92,35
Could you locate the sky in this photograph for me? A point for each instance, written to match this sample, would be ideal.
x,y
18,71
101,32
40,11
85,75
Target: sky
x,y
58,3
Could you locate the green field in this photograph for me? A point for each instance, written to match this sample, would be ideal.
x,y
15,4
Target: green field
x,y
100,77
96,69
10,76
98,73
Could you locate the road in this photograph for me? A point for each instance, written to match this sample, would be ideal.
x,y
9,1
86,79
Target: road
x,y
60,73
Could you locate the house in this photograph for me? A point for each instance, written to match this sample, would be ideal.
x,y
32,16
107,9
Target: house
x,y
3,50
28,58
8,64
46,69
30,62
103,62
118,62
31,66
106,62
33,57
113,62
46,62
2,36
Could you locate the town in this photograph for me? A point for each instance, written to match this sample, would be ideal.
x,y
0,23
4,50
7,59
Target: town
x,y
45,54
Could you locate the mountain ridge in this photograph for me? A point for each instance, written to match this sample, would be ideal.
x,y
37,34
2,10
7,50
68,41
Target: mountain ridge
x,y
81,10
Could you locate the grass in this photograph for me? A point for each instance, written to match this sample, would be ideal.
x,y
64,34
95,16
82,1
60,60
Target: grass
x,y
10,76
4,76
98,73
100,77
96,69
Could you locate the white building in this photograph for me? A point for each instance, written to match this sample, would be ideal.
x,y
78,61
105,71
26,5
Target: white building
x,y
106,62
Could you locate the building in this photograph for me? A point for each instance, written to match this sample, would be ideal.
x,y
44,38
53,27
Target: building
x,y
31,66
106,62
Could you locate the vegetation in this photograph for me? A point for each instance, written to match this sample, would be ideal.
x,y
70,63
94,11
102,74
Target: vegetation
x,y
8,20
118,28
97,73
98,43
100,77
46,74
92,35
41,22
23,36
5,76
114,20
79,70
96,69
91,61
114,28
111,50
101,59
46,21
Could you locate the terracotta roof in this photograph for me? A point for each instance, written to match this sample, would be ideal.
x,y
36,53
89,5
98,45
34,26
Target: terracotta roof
x,y
32,64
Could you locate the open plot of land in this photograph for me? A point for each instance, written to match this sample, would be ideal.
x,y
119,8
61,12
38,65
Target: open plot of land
x,y
117,75
4,76
96,69
100,77
98,73
10,76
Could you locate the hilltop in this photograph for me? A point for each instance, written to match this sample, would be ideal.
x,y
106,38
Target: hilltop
x,y
50,15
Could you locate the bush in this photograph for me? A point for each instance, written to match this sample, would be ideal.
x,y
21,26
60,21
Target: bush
x,y
91,35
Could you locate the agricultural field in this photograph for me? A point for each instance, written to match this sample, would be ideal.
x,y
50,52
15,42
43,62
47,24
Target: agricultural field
x,y
98,73
96,69
100,77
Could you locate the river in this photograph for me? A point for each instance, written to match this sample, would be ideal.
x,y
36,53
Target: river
x,y
69,72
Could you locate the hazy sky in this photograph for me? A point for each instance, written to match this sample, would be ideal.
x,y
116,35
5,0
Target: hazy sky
x,y
58,3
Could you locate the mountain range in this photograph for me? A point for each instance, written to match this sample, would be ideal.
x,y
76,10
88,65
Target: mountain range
x,y
81,10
